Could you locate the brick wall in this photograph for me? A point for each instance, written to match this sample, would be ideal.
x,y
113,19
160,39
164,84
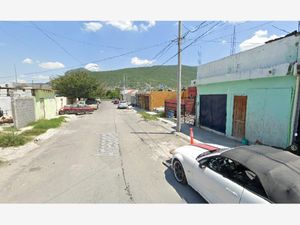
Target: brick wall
x,y
23,110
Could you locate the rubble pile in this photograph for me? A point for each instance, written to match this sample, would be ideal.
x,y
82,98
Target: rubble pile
x,y
6,119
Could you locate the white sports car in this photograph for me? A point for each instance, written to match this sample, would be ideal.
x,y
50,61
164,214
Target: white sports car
x,y
246,174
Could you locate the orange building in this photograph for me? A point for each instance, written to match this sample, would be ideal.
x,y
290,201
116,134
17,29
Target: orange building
x,y
154,99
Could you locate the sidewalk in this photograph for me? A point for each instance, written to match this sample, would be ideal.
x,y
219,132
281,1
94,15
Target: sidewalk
x,y
202,135
209,137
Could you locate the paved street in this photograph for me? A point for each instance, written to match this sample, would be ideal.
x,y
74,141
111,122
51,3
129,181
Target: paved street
x,y
110,156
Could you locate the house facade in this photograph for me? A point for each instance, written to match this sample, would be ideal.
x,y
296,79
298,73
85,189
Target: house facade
x,y
45,103
252,94
153,99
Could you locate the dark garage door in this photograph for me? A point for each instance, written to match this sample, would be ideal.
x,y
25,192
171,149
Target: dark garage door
x,y
213,112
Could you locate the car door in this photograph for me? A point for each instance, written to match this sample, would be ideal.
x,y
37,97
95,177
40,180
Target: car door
x,y
213,182
251,197
253,190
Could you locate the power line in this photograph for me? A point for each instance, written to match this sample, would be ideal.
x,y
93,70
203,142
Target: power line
x,y
83,42
194,40
55,42
164,50
194,30
101,60
280,29
241,31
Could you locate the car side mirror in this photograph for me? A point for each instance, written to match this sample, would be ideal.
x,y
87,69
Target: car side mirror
x,y
202,163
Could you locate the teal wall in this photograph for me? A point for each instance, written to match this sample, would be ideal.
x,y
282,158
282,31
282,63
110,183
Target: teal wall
x,y
269,107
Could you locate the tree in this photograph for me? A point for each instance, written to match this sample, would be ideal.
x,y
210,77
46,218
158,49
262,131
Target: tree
x,y
77,84
116,93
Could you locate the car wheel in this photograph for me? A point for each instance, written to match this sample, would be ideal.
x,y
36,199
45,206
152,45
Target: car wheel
x,y
179,172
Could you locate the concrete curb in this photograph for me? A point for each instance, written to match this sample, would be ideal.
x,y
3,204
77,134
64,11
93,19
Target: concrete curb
x,y
178,134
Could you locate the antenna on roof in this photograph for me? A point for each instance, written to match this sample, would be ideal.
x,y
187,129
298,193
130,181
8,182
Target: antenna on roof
x,y
232,49
199,56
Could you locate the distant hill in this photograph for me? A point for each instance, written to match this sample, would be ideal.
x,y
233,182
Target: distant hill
x,y
139,77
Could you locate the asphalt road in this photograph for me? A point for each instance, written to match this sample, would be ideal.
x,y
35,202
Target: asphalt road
x,y
110,156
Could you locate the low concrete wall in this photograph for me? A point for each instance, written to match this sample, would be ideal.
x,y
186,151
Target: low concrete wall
x,y
60,102
23,110
5,105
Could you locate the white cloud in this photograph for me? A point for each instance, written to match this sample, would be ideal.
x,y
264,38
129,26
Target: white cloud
x,y
141,62
51,65
92,67
41,77
27,61
236,21
145,27
92,26
259,38
123,25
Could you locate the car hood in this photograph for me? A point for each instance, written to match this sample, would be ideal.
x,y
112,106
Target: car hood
x,y
190,151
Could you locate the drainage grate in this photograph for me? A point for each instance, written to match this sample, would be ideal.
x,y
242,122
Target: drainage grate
x,y
108,144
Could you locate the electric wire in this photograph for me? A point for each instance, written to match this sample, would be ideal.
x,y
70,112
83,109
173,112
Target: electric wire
x,y
55,42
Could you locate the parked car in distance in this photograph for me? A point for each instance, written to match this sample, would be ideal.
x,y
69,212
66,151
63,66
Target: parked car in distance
x,y
75,109
116,101
123,105
92,102
245,174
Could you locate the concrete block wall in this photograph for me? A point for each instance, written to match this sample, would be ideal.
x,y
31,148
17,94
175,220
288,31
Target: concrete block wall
x,y
23,110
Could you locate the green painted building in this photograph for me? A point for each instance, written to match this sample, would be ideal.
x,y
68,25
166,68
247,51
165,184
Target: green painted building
x,y
252,94
45,103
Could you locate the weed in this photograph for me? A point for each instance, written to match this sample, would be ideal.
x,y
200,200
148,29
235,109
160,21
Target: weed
x,y
148,116
12,139
12,129
47,124
34,132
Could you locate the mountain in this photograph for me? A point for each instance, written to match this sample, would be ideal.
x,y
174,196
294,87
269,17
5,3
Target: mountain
x,y
141,77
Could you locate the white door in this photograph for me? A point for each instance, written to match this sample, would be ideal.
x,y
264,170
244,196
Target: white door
x,y
250,197
214,185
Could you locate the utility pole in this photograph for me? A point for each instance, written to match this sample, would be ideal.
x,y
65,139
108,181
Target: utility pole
x,y
124,88
16,76
178,127
298,26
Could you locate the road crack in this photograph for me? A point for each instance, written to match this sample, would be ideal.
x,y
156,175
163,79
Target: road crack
x,y
127,186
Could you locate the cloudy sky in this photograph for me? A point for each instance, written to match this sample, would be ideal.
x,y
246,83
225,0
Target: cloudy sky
x,y
40,50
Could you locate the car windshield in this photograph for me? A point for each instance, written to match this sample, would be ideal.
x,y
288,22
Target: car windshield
x,y
90,102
